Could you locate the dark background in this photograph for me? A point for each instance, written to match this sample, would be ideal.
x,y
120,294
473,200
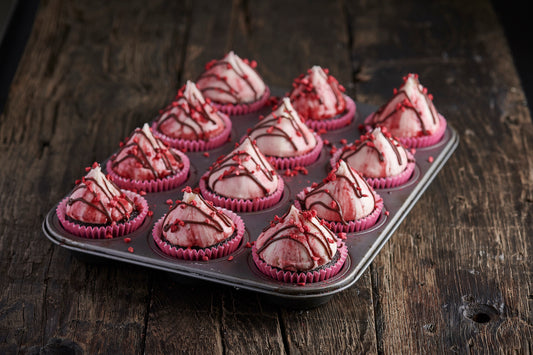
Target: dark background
x,y
16,20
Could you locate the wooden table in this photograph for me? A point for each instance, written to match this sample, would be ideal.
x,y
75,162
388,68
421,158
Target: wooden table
x,y
456,275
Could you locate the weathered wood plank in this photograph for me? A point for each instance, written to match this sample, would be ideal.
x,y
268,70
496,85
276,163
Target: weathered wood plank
x,y
456,275
91,73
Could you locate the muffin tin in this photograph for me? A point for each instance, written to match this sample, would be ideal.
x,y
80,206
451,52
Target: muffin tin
x,y
238,270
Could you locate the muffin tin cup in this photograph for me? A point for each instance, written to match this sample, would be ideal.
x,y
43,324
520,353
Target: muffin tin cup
x,y
203,254
245,108
238,269
336,122
197,145
167,183
305,277
417,142
104,232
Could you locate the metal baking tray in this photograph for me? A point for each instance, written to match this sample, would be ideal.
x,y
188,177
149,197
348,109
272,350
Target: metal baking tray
x,y
240,272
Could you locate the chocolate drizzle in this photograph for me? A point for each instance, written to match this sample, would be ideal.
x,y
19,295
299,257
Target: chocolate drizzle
x,y
96,189
300,233
208,221
404,103
269,125
233,167
227,88
335,205
367,140
189,110
137,153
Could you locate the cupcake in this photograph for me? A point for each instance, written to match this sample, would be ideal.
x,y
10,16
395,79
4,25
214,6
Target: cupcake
x,y
320,101
410,115
379,157
344,200
298,248
97,208
285,139
233,85
194,229
146,163
191,123
243,180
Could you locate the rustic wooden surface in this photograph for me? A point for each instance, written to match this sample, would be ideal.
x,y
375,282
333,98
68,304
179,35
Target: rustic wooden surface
x,y
456,275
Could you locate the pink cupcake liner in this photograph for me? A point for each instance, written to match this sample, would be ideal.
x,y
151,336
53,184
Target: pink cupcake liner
x,y
417,142
336,122
301,277
197,145
201,254
102,232
383,182
164,184
241,205
302,160
242,109
358,225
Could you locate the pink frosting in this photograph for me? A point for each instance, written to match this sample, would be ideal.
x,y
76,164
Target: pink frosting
x,y
317,95
376,154
97,200
342,196
145,157
283,133
190,116
410,112
297,242
195,222
231,80
245,173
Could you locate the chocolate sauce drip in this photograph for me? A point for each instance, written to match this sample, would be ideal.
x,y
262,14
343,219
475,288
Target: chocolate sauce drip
x,y
236,169
97,188
229,90
381,156
320,188
378,120
144,160
188,109
271,122
288,231
213,223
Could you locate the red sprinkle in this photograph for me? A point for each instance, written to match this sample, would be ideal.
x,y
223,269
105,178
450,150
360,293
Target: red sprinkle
x,y
130,249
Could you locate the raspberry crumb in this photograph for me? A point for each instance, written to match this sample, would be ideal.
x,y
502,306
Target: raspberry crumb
x,y
130,249
387,213
430,159
301,283
230,258
206,154
127,240
205,258
108,236
248,245
150,213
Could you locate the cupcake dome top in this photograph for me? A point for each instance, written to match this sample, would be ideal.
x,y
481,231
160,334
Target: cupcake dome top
x,y
317,95
190,116
231,80
97,200
297,242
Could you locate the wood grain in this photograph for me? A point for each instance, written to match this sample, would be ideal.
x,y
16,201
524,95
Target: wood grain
x,y
455,277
